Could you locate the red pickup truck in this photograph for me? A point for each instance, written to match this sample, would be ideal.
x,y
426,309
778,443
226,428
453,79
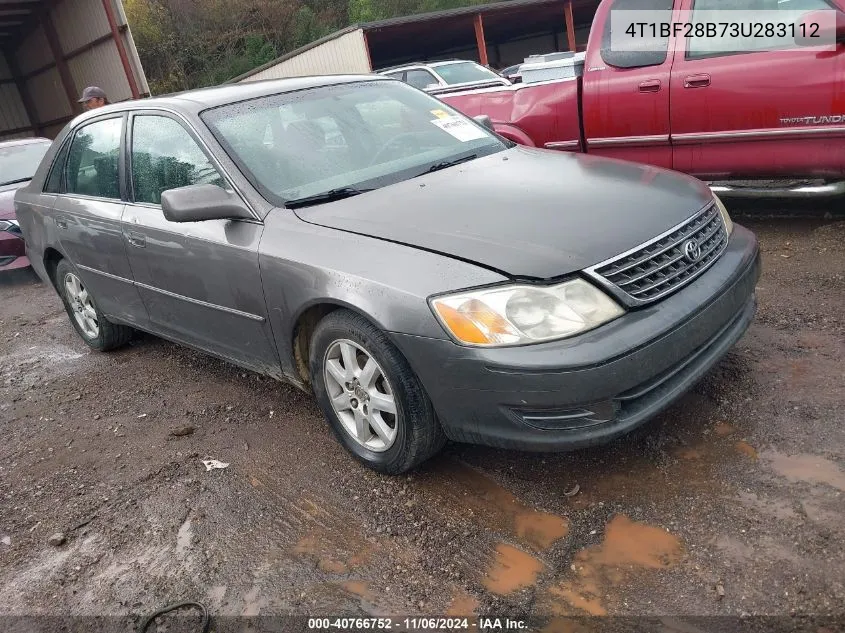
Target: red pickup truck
x,y
747,115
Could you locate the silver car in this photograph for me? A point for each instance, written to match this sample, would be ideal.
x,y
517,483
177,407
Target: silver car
x,y
425,278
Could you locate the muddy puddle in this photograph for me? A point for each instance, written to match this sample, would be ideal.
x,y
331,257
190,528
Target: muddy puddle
x,y
805,468
512,570
492,505
462,604
333,555
628,547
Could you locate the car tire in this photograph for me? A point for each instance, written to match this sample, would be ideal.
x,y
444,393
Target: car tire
x,y
415,430
92,326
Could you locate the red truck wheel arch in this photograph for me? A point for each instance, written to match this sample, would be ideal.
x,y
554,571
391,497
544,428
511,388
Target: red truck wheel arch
x,y
513,133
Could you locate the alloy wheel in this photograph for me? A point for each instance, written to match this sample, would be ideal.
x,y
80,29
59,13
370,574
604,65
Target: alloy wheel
x,y
81,306
361,395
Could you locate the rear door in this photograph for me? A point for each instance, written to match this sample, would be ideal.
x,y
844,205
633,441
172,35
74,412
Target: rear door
x,y
626,93
199,281
87,211
756,112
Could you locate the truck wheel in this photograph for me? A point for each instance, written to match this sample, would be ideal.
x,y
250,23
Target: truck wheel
x,y
95,329
374,402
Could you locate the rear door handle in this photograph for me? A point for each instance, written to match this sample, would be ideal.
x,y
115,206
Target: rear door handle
x,y
61,223
697,81
652,85
136,239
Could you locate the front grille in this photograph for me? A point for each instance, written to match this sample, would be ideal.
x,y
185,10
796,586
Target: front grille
x,y
663,265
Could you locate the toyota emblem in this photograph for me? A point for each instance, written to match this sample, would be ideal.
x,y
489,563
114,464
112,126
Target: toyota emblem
x,y
692,251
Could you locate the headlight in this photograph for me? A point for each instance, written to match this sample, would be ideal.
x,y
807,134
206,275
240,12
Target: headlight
x,y
729,225
514,315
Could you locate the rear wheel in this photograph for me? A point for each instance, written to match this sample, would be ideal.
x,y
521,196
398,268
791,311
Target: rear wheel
x,y
95,329
370,396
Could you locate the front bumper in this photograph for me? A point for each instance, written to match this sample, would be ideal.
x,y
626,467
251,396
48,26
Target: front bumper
x,y
12,251
595,387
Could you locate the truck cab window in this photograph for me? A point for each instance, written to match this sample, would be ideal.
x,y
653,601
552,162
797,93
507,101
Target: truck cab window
x,y
701,47
655,49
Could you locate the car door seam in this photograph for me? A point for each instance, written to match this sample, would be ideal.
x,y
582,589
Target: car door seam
x,y
206,304
248,315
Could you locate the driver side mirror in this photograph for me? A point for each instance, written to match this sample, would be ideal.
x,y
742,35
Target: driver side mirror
x,y
197,203
820,27
485,120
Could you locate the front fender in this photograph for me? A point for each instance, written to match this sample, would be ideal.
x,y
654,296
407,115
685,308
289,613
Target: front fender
x,y
305,265
513,133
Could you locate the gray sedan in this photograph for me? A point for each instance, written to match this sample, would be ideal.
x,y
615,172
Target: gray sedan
x,y
425,278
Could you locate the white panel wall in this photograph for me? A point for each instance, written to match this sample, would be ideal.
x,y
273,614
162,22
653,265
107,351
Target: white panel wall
x,y
12,112
345,54
34,52
79,22
48,96
101,66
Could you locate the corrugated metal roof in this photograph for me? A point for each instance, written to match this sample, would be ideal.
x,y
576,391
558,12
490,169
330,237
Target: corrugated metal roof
x,y
493,7
506,5
298,51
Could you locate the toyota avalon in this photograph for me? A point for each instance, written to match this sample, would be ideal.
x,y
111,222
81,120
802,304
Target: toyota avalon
x,y
423,277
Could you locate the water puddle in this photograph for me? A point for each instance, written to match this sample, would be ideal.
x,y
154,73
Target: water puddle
x,y
252,603
359,588
462,604
627,546
183,538
805,467
512,569
723,429
494,505
333,557
746,449
689,453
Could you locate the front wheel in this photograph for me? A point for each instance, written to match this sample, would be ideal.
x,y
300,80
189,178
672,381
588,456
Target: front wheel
x,y
374,402
95,329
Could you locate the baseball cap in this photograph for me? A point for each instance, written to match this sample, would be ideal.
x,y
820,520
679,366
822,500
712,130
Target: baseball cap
x,y
92,92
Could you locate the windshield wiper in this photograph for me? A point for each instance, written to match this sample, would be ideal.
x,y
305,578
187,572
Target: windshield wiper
x,y
449,163
14,182
327,196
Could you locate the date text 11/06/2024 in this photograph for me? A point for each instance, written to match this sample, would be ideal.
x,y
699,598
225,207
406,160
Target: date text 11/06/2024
x,y
417,624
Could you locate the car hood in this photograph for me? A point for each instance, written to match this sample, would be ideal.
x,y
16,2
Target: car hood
x,y
524,212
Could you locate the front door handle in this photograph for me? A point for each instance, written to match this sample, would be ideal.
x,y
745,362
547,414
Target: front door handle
x,y
136,239
697,81
652,85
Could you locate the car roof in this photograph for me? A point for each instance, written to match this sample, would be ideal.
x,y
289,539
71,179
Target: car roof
x,y
443,62
195,101
25,141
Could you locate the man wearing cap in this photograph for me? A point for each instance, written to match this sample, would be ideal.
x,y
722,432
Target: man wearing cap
x,y
93,97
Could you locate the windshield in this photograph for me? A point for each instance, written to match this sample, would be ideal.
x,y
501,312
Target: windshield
x,y
464,72
18,163
362,135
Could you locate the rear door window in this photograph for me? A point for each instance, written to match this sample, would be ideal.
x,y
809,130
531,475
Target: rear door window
x,y
93,162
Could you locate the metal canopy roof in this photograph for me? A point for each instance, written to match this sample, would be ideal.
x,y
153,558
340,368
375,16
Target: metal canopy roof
x,y
17,18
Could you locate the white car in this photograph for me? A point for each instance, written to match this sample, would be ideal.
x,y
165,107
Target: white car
x,y
445,76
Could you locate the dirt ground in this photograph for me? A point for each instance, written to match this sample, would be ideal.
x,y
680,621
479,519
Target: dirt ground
x,y
730,503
